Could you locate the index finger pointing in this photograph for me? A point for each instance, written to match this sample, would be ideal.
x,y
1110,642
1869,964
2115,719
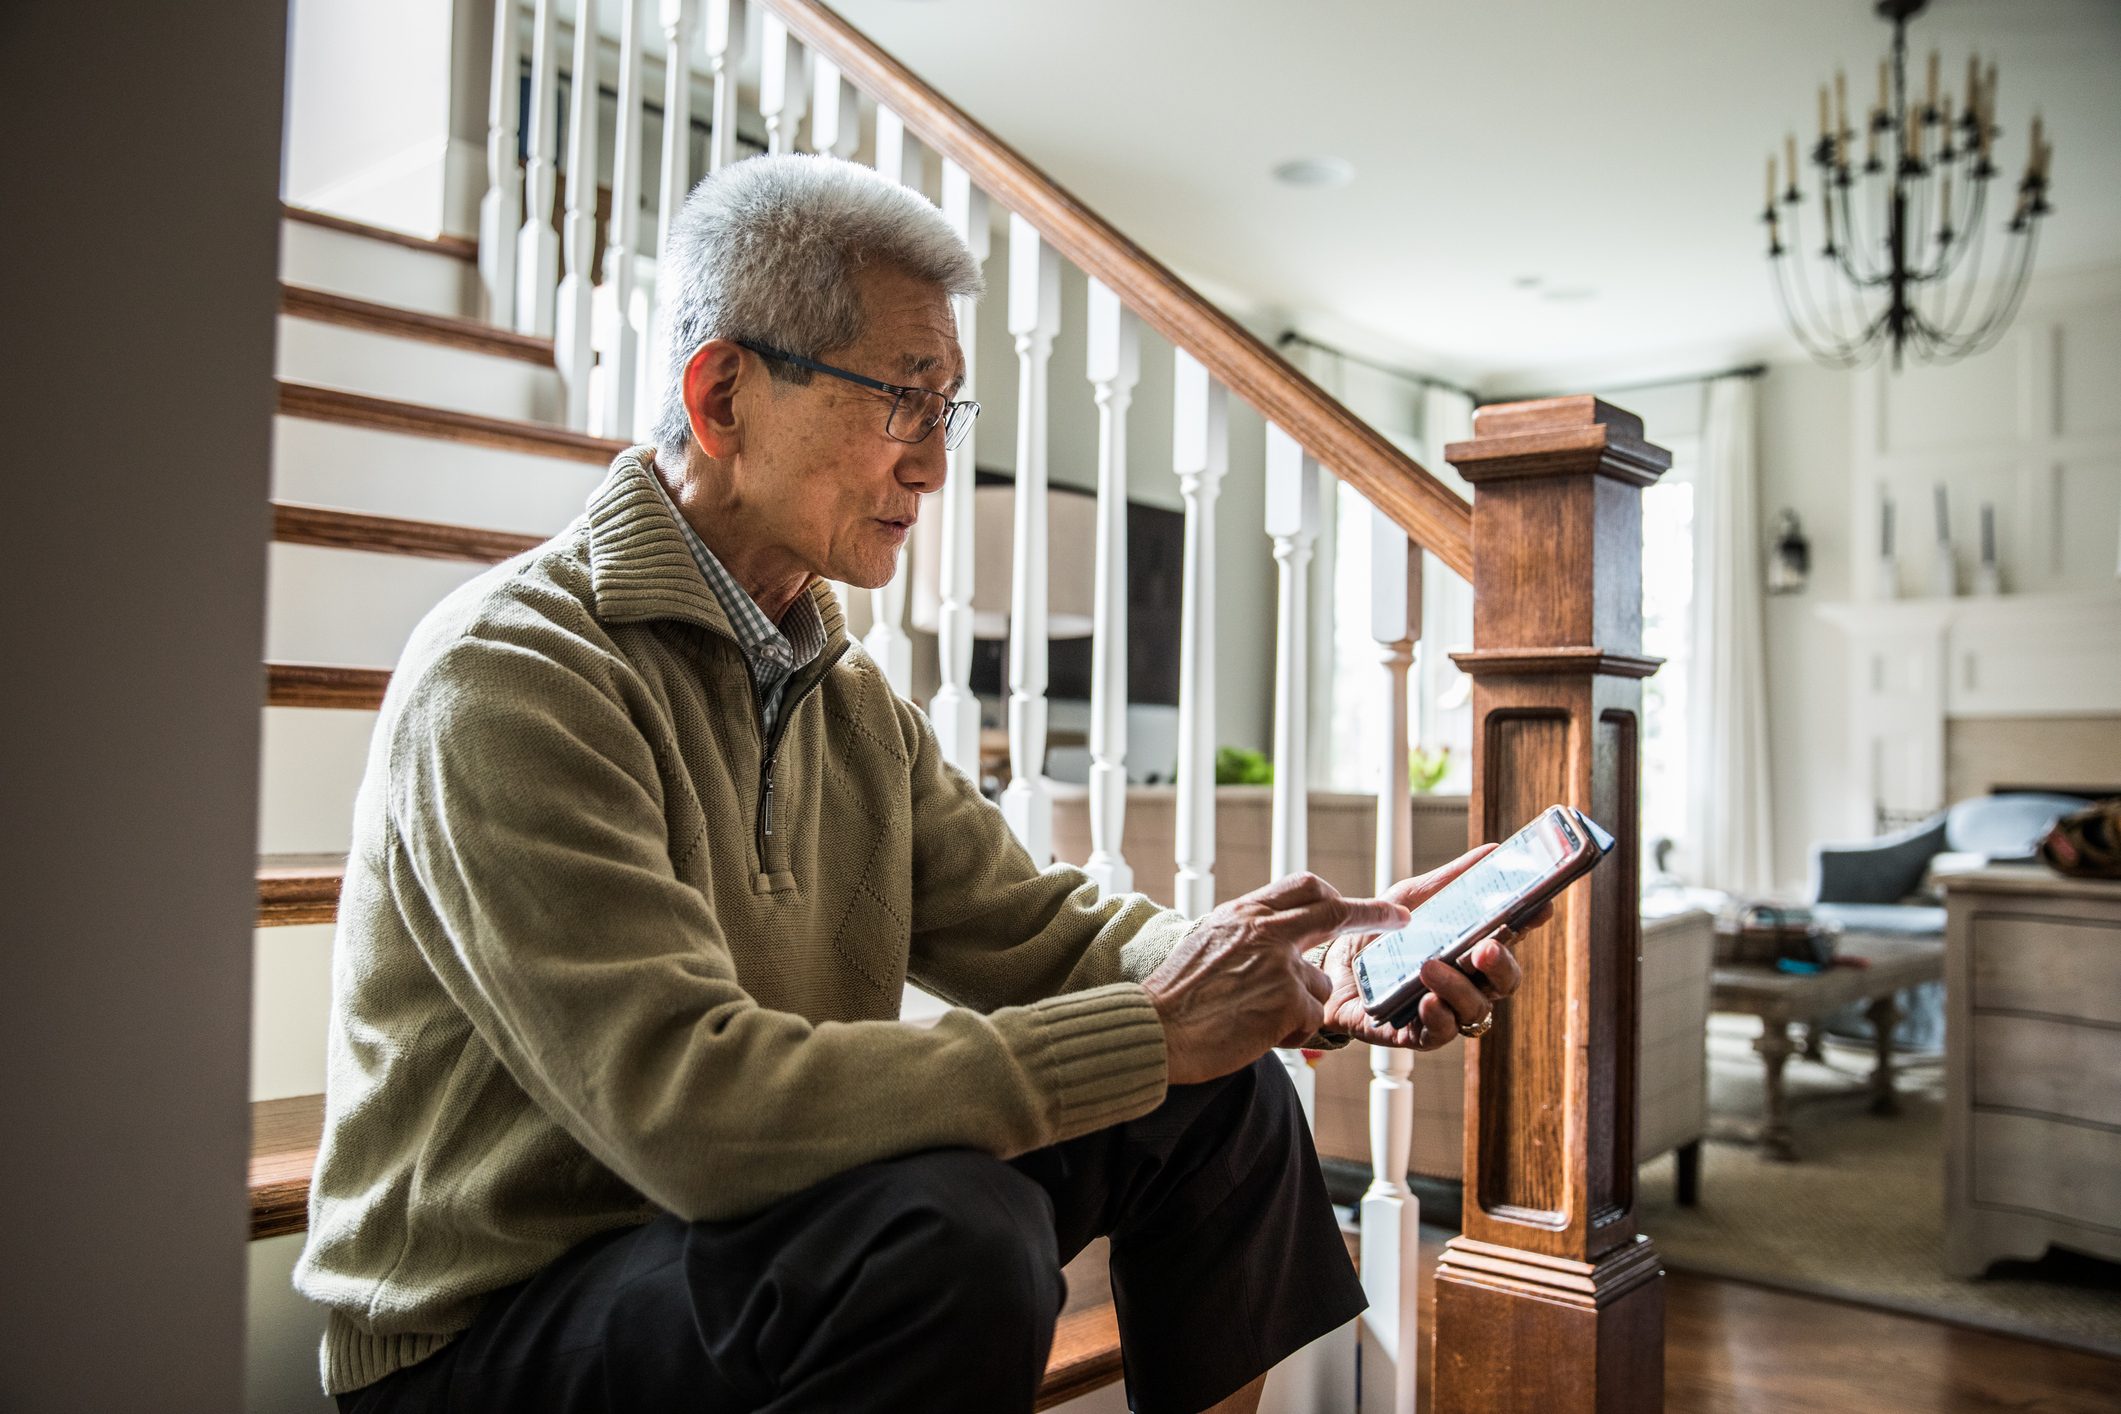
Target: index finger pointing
x,y
1372,915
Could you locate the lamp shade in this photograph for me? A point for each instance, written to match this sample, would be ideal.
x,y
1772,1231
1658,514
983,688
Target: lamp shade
x,y
1071,561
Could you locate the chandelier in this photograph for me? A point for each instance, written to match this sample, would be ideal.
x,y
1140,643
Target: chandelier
x,y
1902,236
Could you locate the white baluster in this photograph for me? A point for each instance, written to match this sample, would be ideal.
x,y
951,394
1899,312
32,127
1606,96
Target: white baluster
x,y
1200,456
780,84
1114,369
898,156
618,334
835,115
1391,1215
573,353
1292,522
501,209
725,47
1034,319
537,244
676,182
955,711
832,127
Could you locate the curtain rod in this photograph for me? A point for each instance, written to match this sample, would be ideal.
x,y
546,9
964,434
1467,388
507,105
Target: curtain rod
x,y
1743,370
1420,379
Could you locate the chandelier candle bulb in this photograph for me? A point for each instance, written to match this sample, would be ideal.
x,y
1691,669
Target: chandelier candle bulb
x,y
1935,60
1771,182
1790,147
1885,93
1841,102
1973,85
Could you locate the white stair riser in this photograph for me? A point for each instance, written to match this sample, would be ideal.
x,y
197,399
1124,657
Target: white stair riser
x,y
290,999
310,761
347,264
351,606
414,371
425,478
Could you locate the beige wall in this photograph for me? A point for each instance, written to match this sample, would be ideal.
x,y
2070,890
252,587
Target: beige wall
x,y
139,297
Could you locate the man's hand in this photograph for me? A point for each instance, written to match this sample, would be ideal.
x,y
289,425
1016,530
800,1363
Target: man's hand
x,y
1238,984
1454,1000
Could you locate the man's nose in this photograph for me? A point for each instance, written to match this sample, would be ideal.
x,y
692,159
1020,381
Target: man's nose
x,y
923,465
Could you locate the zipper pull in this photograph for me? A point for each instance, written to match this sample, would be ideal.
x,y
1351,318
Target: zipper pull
x,y
766,804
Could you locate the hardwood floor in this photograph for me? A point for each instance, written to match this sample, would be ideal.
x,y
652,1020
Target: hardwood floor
x,y
1734,1348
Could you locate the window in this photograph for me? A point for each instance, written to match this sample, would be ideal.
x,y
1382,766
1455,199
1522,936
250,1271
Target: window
x,y
1667,633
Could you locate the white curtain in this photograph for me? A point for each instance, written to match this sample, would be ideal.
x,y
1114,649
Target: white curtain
x,y
1443,702
1728,806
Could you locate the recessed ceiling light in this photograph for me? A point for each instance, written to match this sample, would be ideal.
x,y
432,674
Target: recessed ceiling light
x,y
1315,172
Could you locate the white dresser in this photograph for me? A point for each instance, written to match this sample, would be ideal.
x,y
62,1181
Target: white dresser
x,y
2033,1066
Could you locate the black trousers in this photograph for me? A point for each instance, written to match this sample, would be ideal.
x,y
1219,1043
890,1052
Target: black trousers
x,y
932,1282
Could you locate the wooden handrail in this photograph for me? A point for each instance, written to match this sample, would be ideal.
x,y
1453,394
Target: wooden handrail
x,y
1431,513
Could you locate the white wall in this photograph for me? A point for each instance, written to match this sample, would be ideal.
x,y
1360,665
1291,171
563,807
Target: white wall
x,y
2033,425
386,111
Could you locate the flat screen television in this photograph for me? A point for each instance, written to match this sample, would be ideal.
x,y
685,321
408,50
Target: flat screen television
x,y
1156,543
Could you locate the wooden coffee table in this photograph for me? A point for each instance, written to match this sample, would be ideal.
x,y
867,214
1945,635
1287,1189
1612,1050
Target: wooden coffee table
x,y
1780,998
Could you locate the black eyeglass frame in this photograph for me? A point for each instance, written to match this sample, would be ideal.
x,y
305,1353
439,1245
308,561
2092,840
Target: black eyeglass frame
x,y
955,418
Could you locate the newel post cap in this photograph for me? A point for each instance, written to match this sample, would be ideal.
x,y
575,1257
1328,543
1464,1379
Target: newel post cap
x,y
1558,437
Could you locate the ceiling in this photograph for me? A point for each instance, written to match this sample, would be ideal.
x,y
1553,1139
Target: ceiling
x,y
1610,152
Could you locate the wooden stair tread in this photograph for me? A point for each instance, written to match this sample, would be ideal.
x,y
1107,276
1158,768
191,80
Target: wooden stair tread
x,y
453,247
307,400
325,307
324,685
296,524
284,1135
1085,1355
299,888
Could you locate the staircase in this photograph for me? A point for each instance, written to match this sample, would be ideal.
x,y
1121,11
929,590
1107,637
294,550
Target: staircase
x,y
445,404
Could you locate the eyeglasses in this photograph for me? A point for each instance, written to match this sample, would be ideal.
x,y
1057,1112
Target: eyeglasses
x,y
914,411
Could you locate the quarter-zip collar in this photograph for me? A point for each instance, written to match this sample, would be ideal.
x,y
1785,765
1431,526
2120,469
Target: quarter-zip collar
x,y
640,567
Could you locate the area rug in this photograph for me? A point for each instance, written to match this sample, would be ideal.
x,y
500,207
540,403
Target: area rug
x,y
1860,1217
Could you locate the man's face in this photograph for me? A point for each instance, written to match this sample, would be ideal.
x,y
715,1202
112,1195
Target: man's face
x,y
817,475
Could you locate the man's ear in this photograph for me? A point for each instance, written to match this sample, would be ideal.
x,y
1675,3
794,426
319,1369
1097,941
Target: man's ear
x,y
711,378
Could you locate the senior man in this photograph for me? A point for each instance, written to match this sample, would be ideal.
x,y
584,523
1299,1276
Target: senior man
x,y
621,1115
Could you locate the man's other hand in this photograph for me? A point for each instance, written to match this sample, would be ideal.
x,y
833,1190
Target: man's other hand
x,y
1238,984
1454,1001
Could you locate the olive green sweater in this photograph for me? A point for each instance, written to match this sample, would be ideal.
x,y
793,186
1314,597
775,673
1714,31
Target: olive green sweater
x,y
580,978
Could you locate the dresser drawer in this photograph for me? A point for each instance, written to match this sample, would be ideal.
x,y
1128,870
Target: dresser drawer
x,y
2052,965
2056,1067
2048,1166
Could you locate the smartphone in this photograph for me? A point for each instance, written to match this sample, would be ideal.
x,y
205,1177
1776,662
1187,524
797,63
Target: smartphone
x,y
1510,882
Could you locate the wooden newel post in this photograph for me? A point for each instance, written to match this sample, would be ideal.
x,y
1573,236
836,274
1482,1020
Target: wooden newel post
x,y
1550,1301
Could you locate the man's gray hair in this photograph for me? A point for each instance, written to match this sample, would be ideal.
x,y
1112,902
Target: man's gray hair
x,y
767,250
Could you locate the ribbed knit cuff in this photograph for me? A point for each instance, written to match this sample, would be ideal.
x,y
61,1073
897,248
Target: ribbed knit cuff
x,y
1102,1052
354,1358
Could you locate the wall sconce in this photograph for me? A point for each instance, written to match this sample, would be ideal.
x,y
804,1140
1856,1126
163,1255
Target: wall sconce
x,y
1790,557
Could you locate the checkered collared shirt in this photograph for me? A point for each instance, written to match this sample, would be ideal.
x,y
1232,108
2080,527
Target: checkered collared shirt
x,y
773,653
